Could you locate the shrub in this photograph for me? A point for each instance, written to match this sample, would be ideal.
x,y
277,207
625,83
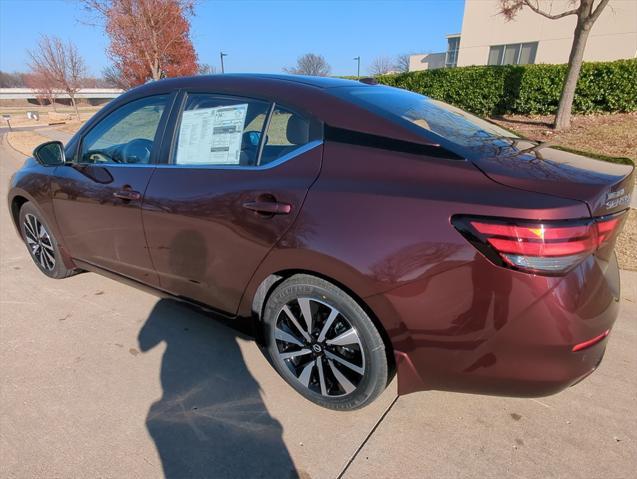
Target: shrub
x,y
603,87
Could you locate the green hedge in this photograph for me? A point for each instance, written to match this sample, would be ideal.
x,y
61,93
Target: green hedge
x,y
526,89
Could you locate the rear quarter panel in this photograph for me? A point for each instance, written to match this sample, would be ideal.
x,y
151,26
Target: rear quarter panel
x,y
375,219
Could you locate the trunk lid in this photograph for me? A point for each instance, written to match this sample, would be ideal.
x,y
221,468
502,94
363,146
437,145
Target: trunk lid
x,y
605,187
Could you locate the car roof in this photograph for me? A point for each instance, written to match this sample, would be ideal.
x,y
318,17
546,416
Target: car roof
x,y
315,81
302,81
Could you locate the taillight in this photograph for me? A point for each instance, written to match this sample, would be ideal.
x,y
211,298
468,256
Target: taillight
x,y
544,247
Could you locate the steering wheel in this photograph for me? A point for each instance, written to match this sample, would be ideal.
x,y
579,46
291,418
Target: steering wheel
x,y
137,151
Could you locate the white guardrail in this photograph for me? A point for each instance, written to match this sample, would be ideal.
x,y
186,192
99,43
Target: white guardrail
x,y
31,94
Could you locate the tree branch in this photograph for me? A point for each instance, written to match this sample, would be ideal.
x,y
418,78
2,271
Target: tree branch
x,y
598,10
536,8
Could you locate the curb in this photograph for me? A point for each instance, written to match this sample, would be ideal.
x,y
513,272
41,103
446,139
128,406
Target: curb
x,y
13,147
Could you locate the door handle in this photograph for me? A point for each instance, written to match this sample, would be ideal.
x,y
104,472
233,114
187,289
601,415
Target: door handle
x,y
268,207
128,195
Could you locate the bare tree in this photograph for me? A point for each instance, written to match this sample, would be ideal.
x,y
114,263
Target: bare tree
x,y
12,80
381,66
44,87
95,82
113,77
205,69
587,13
402,63
310,64
60,63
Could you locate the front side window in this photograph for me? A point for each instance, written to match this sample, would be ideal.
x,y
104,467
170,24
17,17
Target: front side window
x,y
220,131
512,54
126,135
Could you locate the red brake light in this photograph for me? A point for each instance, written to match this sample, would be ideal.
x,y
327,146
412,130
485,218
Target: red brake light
x,y
549,247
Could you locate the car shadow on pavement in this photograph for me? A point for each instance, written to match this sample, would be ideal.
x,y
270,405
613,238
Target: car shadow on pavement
x,y
211,421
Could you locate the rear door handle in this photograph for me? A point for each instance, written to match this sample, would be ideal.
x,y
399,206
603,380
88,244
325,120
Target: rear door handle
x,y
268,207
128,195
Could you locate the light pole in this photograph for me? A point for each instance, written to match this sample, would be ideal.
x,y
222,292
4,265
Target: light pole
x,y
358,70
221,55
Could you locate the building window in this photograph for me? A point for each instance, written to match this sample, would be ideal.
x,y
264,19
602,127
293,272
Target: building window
x,y
512,54
451,58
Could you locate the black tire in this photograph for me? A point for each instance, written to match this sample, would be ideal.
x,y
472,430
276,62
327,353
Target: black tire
x,y
328,384
43,248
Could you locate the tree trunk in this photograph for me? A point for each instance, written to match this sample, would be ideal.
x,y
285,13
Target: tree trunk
x,y
77,112
156,70
563,116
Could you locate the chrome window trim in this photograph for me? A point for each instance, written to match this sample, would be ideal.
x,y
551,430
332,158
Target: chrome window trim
x,y
287,157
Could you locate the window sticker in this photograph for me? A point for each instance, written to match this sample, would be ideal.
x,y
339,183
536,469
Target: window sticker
x,y
211,136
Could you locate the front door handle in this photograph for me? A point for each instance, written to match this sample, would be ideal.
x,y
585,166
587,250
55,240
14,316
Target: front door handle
x,y
268,207
128,195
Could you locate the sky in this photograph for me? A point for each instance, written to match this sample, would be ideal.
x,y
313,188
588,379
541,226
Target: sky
x,y
258,35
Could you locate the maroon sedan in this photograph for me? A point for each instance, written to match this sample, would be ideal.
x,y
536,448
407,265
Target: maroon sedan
x,y
367,230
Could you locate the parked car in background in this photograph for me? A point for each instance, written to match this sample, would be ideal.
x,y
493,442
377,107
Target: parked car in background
x,y
366,230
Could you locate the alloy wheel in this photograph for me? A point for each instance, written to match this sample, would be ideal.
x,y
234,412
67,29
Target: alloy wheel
x,y
320,347
39,242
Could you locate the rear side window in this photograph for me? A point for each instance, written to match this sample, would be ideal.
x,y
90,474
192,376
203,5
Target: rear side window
x,y
287,131
446,121
220,131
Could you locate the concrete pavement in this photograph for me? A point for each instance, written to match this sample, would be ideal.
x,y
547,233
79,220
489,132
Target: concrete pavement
x,y
100,380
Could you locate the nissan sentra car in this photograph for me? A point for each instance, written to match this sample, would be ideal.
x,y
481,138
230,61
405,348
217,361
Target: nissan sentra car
x,y
367,231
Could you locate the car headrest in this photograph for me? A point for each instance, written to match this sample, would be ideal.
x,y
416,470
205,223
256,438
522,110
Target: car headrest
x,y
298,130
250,139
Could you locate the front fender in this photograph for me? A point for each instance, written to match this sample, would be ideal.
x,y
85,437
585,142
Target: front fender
x,y
32,183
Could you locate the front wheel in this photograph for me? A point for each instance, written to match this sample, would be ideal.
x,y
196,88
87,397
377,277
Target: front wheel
x,y
41,243
324,345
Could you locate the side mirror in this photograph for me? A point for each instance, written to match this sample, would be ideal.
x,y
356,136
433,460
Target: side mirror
x,y
50,153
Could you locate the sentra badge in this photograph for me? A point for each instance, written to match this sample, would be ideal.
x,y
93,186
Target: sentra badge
x,y
617,198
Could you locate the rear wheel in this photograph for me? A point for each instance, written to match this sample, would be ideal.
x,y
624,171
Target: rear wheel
x,y
41,243
324,344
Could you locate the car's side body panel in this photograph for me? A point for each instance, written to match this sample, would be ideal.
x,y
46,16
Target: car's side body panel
x,y
98,227
204,244
391,225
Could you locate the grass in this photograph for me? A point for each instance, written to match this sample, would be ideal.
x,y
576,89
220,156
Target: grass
x,y
25,141
70,126
47,115
605,137
277,131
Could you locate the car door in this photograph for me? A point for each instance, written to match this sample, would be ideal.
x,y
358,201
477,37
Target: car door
x,y
97,196
227,193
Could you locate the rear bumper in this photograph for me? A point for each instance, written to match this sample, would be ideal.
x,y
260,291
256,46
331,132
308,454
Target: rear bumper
x,y
483,329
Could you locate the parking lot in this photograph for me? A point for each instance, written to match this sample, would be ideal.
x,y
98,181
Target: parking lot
x,y
100,380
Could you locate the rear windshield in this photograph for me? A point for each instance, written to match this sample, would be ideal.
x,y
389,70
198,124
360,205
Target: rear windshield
x,y
449,122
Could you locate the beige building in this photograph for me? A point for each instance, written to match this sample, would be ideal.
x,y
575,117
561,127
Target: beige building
x,y
488,39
